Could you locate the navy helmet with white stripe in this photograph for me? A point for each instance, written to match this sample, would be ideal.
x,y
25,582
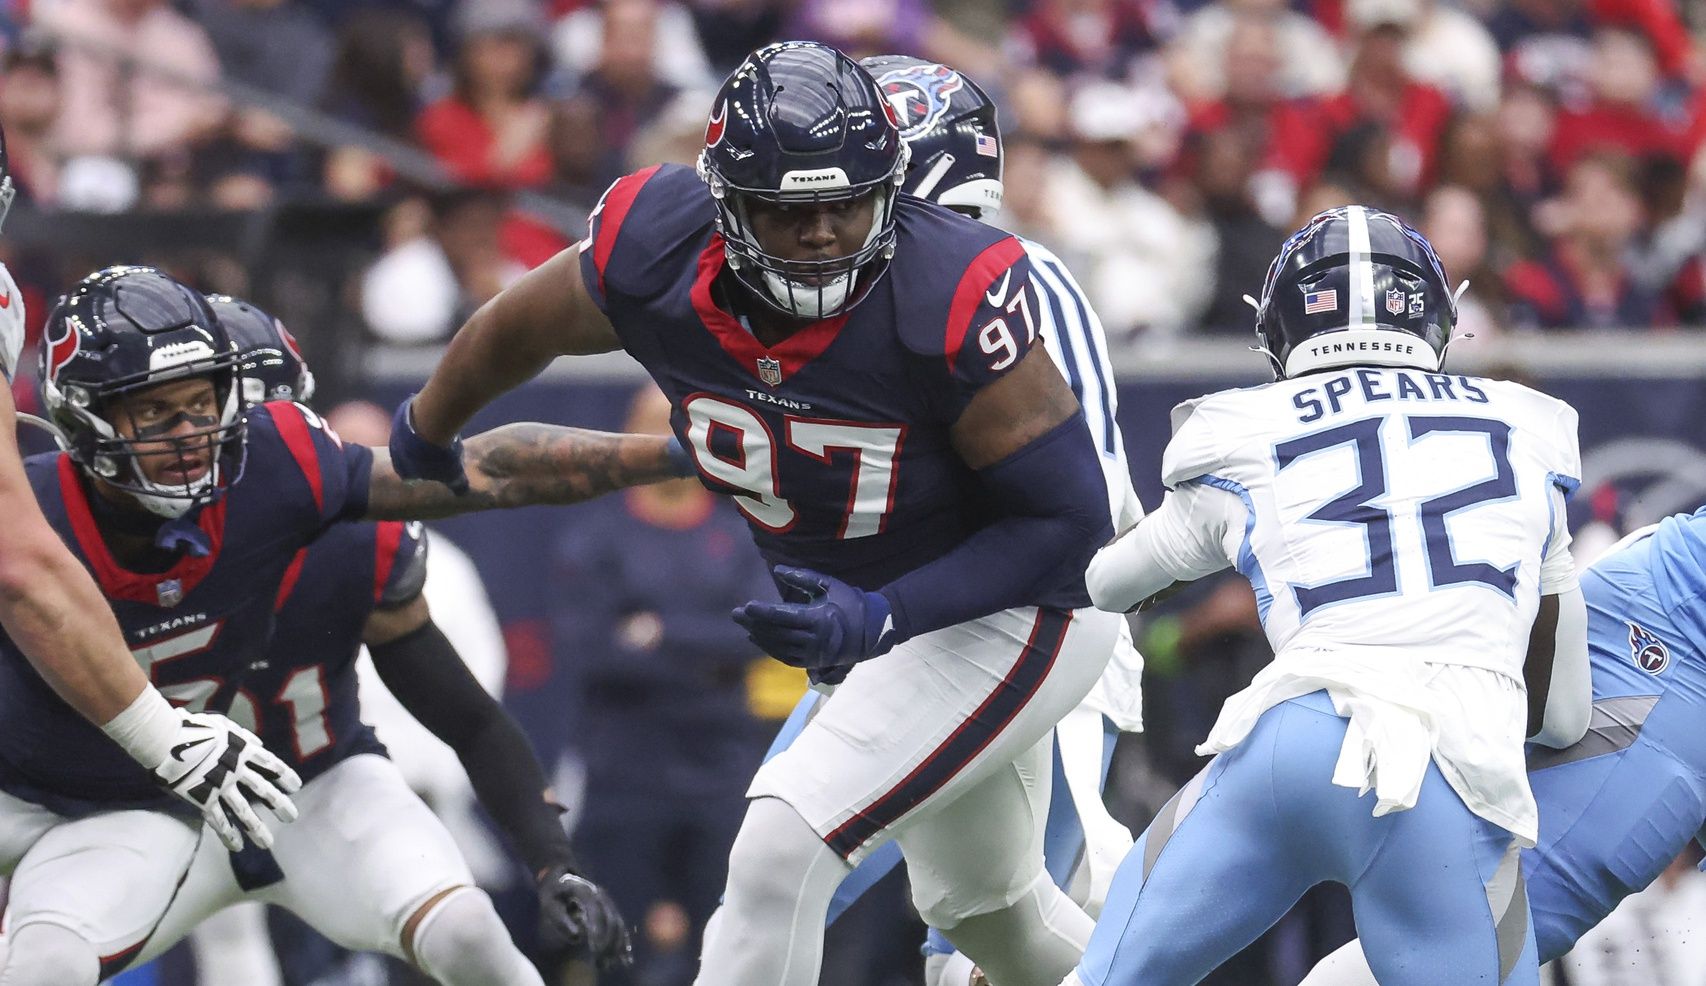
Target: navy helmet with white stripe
x,y
800,123
1355,287
949,125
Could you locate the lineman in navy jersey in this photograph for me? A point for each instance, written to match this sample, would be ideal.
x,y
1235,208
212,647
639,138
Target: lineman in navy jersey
x,y
367,863
188,507
53,611
921,477
950,128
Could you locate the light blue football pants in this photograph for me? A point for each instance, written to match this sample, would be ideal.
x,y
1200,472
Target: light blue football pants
x,y
1437,891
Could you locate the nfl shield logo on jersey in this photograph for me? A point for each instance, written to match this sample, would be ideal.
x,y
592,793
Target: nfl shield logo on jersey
x,y
770,370
1647,651
1395,301
169,592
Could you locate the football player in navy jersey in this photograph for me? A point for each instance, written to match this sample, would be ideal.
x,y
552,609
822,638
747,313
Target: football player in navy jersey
x,y
860,371
367,863
53,612
189,507
949,126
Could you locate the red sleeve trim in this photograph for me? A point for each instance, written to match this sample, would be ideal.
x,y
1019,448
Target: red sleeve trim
x,y
612,211
293,429
974,283
388,541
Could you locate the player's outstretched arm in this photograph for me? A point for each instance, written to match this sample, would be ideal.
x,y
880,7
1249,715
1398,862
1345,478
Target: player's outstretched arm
x,y
528,464
545,314
57,616
51,607
422,669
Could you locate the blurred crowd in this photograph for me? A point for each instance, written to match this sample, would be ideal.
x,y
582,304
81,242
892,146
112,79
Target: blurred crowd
x,y
1550,148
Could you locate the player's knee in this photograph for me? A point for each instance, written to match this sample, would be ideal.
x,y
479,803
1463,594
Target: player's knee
x,y
945,906
774,848
49,955
463,941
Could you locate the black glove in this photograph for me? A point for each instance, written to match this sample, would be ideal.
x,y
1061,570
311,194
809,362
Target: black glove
x,y
578,918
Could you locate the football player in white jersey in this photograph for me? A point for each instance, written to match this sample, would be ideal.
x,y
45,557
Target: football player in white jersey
x,y
949,125
1404,532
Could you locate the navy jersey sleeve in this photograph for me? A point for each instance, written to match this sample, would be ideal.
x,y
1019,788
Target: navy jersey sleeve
x,y
635,231
991,322
399,569
336,476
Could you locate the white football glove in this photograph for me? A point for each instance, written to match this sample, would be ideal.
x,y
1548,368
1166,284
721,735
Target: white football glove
x,y
11,324
222,768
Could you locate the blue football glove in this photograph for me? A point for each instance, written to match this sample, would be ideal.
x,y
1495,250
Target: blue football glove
x,y
822,624
416,458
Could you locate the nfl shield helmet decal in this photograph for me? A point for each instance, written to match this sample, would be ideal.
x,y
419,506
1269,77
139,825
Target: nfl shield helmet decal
x,y
169,592
918,96
1395,301
1647,651
770,370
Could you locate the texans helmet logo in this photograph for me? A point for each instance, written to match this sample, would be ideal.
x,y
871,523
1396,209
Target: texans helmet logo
x,y
1647,651
61,349
714,129
918,96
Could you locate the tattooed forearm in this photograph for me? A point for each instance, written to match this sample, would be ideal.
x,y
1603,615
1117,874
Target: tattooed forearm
x,y
523,465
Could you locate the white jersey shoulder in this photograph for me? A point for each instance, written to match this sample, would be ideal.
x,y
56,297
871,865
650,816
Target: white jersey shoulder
x,y
1074,338
1390,507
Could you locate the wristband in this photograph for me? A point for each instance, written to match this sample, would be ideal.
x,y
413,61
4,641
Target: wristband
x,y
145,728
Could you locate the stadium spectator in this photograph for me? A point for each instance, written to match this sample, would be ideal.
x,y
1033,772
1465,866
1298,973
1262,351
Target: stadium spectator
x,y
30,98
273,45
1583,280
1549,42
1148,266
1455,222
660,702
578,42
1379,91
1626,108
862,27
730,29
1447,47
443,263
1087,37
1308,57
491,129
135,77
1246,243
623,91
285,51
383,61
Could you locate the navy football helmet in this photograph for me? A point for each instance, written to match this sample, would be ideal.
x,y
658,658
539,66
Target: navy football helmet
x,y
949,126
1355,287
799,122
122,330
273,367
